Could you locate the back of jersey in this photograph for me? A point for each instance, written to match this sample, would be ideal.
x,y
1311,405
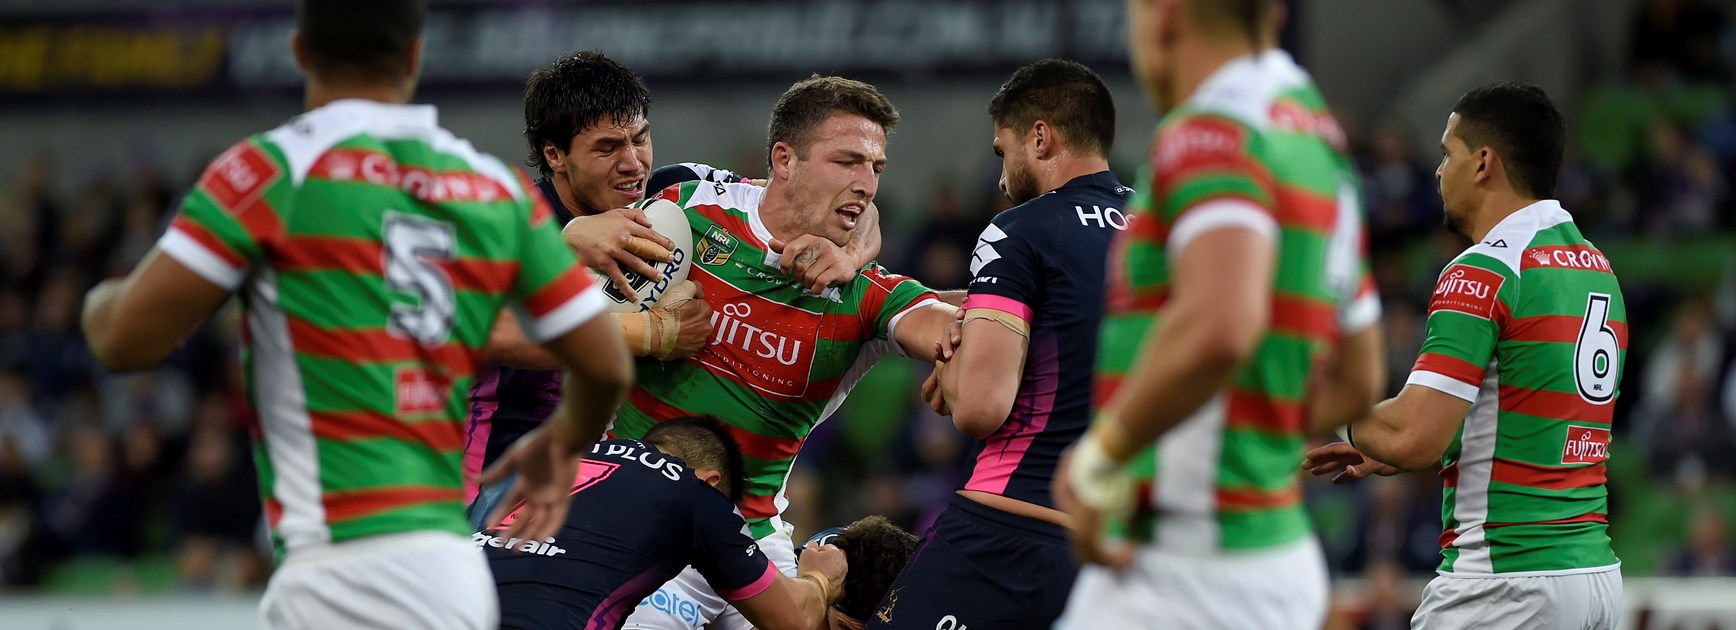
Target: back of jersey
x,y
1254,146
373,251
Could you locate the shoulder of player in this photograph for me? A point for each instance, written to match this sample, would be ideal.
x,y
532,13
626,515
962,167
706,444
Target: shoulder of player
x,y
1507,244
696,193
303,140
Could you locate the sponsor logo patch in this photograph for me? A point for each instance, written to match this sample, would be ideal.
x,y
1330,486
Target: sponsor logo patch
x,y
239,176
422,392
1469,290
1585,445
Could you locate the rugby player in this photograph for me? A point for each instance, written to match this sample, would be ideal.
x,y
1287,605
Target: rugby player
x,y
587,127
1228,293
783,356
1515,387
641,512
373,251
877,551
1020,382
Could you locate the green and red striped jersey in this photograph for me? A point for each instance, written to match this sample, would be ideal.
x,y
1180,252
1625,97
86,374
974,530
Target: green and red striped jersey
x,y
372,251
1528,326
781,359
1254,147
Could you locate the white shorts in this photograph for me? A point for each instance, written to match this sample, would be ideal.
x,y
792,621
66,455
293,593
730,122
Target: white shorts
x,y
414,580
1277,589
689,603
1580,601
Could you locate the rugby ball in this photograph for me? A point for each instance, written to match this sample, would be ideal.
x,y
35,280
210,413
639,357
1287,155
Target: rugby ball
x,y
668,219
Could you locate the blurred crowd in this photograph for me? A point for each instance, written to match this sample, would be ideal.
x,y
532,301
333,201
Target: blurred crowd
x,y
146,481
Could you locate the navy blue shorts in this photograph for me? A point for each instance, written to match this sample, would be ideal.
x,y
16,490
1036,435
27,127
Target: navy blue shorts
x,y
979,567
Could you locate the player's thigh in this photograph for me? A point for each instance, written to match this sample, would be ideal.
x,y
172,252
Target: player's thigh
x,y
684,603
1488,603
424,580
1586,600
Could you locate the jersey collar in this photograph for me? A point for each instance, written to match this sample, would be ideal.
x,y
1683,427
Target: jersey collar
x,y
400,115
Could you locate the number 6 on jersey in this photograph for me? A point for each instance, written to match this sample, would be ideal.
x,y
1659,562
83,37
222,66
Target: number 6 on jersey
x,y
1596,352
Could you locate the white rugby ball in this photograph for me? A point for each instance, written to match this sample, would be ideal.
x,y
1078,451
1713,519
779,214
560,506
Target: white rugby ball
x,y
668,219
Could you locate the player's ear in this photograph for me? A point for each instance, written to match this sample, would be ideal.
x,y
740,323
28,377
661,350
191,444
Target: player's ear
x,y
710,477
1486,161
783,160
299,50
414,63
1042,140
552,155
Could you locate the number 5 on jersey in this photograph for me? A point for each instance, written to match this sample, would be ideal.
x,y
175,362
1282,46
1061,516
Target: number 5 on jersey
x,y
413,247
1595,353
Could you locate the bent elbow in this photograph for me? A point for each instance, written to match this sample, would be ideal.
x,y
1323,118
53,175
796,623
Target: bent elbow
x,y
976,423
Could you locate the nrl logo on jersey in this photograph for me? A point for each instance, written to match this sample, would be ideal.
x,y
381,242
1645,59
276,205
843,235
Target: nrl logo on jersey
x,y
716,246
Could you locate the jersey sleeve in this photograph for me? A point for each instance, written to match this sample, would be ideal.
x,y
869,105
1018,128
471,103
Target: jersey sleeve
x,y
1006,270
552,291
1207,178
1348,272
673,174
731,562
887,297
234,215
1472,302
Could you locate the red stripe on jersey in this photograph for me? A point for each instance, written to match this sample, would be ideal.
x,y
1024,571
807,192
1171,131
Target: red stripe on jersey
x,y
540,211
1303,317
1125,299
343,505
1448,537
1252,410
762,447
1247,499
1547,477
273,512
656,409
378,346
551,296
367,257
1578,257
1306,209
1449,476
1548,404
434,186
1589,517
198,233
1451,367
1556,328
758,506
1103,388
440,435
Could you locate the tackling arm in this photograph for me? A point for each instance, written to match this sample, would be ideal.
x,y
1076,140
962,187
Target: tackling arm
x,y
917,330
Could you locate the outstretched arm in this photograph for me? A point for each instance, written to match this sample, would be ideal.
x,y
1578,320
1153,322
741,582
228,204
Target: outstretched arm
x,y
136,322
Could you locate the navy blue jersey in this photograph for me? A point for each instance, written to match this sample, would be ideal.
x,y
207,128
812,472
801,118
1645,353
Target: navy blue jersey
x,y
506,403
1043,261
638,517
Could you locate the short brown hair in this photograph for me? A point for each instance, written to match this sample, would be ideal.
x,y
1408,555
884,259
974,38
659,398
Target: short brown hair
x,y
354,40
1250,18
812,100
876,551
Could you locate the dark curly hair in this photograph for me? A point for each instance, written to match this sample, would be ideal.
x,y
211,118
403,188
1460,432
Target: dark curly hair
x,y
574,93
877,551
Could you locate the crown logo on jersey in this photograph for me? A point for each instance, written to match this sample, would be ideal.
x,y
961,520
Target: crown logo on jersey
x,y
1542,257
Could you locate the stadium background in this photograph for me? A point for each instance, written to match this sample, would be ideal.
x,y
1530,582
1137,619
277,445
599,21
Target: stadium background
x,y
130,500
